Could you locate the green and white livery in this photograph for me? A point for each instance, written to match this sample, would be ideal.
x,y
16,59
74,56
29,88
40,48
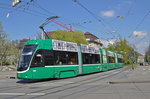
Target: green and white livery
x,y
47,58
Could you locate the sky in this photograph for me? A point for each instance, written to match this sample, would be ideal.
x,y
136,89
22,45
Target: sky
x,y
109,20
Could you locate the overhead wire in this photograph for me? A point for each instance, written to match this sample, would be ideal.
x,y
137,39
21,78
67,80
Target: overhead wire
x,y
28,5
27,12
97,18
140,40
123,17
137,26
80,24
85,22
40,7
35,4
143,19
47,11
22,8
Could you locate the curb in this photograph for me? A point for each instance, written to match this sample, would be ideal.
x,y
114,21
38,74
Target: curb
x,y
129,81
8,77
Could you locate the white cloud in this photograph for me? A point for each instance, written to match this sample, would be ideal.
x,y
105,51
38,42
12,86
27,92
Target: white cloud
x,y
110,13
140,34
123,4
142,46
105,42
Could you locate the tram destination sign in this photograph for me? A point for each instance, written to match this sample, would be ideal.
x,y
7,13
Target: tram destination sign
x,y
64,46
90,49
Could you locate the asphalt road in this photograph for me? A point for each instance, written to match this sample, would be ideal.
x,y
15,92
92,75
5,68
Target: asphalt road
x,y
122,83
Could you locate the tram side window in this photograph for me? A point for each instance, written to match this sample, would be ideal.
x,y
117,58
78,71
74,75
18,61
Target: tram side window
x,y
60,58
66,58
48,57
38,59
111,59
57,60
72,58
120,60
91,58
97,58
86,58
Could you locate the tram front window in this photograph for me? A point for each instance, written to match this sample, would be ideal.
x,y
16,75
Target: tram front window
x,y
26,56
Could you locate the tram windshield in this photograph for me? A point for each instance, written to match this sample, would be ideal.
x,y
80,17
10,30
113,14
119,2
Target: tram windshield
x,y
26,56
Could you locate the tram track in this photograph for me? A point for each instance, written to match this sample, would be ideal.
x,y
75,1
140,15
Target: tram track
x,y
77,83
78,86
52,81
84,90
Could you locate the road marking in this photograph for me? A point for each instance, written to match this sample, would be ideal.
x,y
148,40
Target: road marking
x,y
12,93
21,94
36,94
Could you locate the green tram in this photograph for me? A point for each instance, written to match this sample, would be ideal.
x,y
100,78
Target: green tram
x,y
47,58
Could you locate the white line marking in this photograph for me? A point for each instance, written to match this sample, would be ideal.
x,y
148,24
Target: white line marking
x,y
21,94
36,94
12,93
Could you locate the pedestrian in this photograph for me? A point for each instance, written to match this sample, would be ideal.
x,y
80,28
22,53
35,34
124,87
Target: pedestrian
x,y
133,66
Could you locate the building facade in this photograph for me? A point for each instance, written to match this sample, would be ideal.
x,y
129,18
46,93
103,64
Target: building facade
x,y
93,40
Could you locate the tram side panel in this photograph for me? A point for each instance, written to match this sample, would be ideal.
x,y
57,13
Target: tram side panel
x,y
66,59
52,59
90,59
104,60
120,61
116,61
32,57
111,60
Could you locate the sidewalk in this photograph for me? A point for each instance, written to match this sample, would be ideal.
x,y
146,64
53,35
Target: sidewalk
x,y
130,84
8,75
138,75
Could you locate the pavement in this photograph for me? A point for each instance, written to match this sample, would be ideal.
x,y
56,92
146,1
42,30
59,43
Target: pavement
x,y
139,75
8,75
8,72
122,83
